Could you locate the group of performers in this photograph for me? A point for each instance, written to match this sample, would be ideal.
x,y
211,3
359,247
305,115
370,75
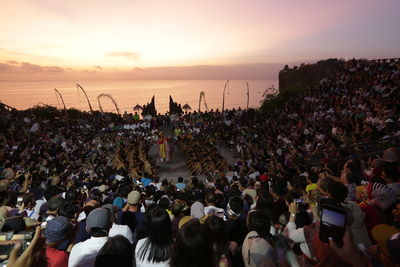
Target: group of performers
x,y
201,157
134,159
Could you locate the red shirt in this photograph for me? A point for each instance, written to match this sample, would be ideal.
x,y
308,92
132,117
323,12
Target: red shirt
x,y
56,258
373,215
326,257
264,177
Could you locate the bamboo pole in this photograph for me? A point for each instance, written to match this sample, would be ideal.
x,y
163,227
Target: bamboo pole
x,y
112,99
90,106
62,100
223,96
248,95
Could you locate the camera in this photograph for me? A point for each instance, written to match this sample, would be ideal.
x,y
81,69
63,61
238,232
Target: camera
x,y
333,221
9,240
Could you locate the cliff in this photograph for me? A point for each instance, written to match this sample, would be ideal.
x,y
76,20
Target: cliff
x,y
293,81
309,75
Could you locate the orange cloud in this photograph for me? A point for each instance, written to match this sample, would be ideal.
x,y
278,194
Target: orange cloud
x,y
27,68
140,69
12,62
130,55
24,70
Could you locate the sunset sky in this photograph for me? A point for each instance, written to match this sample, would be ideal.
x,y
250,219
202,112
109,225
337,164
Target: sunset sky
x,y
151,38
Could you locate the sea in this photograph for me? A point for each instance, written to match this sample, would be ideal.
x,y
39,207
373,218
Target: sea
x,y
129,93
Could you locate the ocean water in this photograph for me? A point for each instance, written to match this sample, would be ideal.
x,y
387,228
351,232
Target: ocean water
x,y
128,93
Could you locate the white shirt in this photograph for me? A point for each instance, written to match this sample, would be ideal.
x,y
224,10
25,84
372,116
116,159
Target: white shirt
x,y
37,207
297,236
144,262
123,230
84,253
211,210
48,218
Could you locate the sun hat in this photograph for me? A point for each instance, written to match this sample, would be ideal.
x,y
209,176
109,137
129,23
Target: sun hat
x,y
134,197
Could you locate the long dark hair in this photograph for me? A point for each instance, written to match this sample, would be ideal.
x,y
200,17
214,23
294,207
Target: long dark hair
x,y
337,190
159,242
265,202
191,247
258,221
116,251
215,228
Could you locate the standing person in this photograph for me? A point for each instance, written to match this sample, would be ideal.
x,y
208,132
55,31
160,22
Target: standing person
x,y
177,132
162,147
170,147
167,147
136,117
155,249
98,223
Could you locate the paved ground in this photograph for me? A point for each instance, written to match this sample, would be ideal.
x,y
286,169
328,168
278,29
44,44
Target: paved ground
x,y
176,167
227,154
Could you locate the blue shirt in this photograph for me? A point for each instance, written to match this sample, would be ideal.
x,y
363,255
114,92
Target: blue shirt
x,y
146,181
180,186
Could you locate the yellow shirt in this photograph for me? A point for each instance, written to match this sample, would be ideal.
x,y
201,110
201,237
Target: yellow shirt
x,y
311,187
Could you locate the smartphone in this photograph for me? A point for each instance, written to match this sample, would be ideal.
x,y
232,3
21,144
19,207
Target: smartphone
x,y
333,224
19,201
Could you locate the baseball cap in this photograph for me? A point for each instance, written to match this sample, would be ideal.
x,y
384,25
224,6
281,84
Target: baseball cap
x,y
134,197
57,229
99,218
103,188
118,202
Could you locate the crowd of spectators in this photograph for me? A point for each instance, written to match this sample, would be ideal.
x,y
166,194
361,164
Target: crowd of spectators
x,y
93,196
